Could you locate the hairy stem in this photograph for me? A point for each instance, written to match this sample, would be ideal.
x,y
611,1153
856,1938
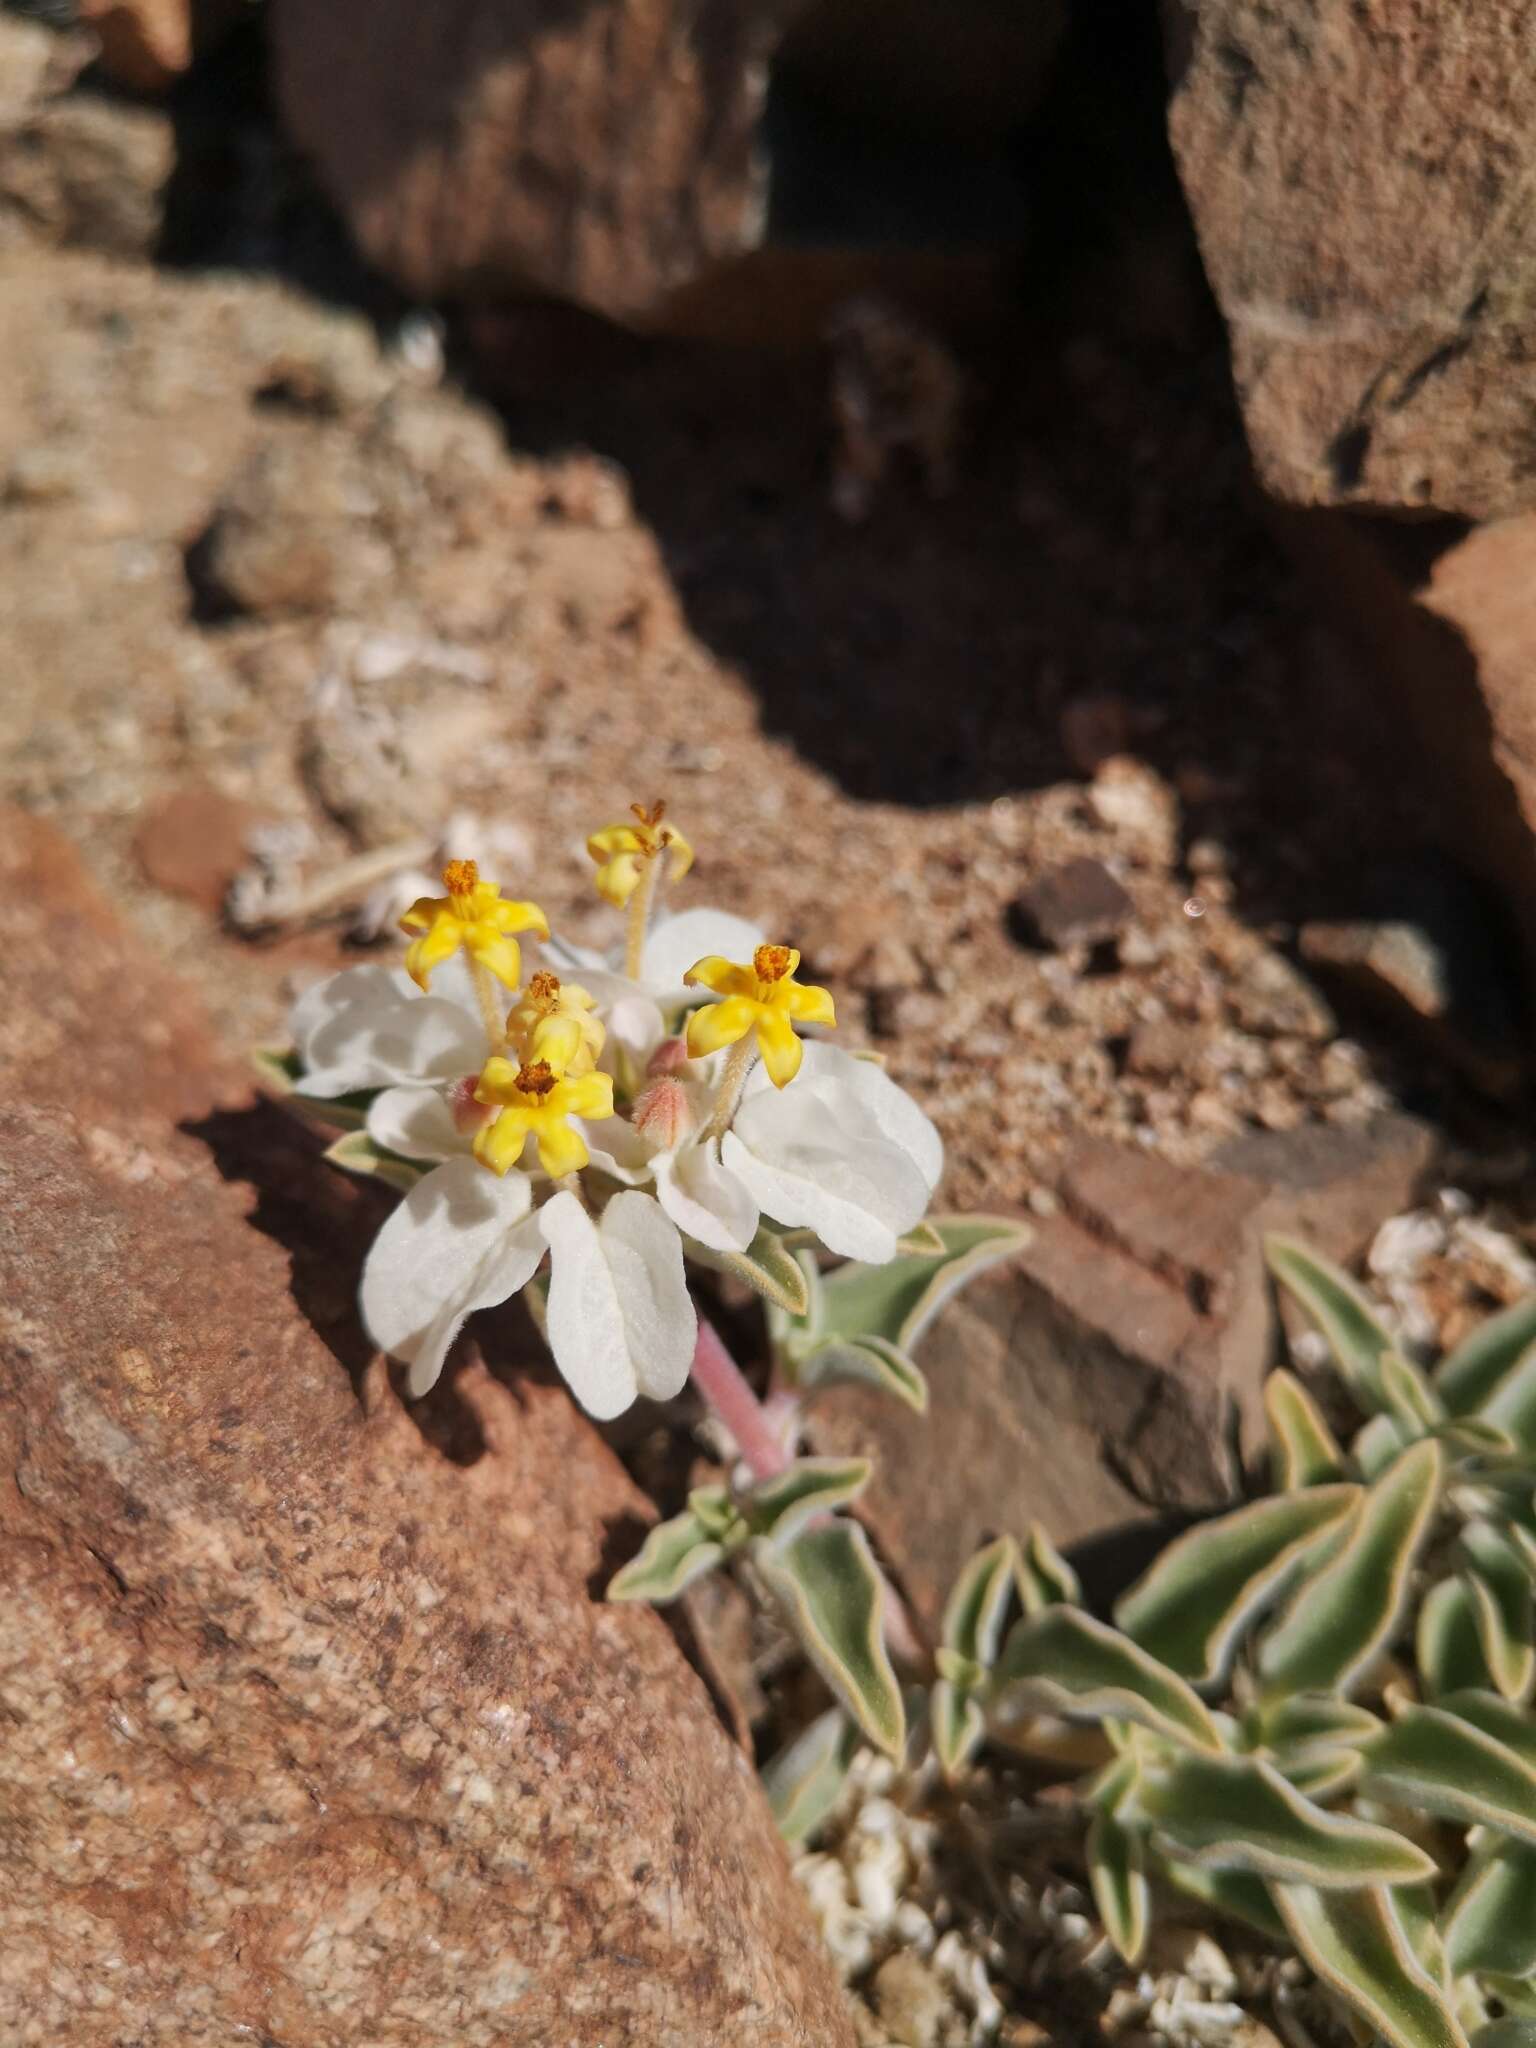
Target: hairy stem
x,y
737,1067
640,917
491,1000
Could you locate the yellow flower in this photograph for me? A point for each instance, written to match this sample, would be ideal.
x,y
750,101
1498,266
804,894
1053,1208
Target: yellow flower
x,y
474,915
622,851
538,1099
552,1020
764,997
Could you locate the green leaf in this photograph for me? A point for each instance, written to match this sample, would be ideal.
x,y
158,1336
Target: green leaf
x,y
1436,1762
1409,1394
1304,1451
1343,1615
1500,1586
1238,1813
1382,1441
778,1509
1319,1774
1234,1894
1511,1406
1513,1993
1490,1918
899,1300
357,1152
978,1600
804,1780
834,1597
673,1555
1508,2032
1045,1578
872,1362
1192,1605
1062,1661
1496,1718
922,1242
1117,1871
1447,1645
1357,1337
1302,1718
278,1067
957,1725
1357,1944
766,1266
1470,1373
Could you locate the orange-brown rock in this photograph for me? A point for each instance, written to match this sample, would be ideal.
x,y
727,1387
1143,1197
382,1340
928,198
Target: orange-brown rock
x,y
602,153
315,1729
1358,174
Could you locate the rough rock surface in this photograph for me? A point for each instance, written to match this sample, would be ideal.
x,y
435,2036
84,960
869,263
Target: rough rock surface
x,y
315,1733
1359,176
1102,1371
602,153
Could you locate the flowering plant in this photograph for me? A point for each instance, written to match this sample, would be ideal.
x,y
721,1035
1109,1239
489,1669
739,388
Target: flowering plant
x,y
584,1132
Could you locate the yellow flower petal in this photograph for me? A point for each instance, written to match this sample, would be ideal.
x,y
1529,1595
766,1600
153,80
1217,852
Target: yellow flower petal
x,y
502,956
560,1041
722,975
511,915
613,839
719,1024
811,1005
422,912
781,1050
619,878
438,944
499,1145
498,1080
561,1150
588,1095
679,852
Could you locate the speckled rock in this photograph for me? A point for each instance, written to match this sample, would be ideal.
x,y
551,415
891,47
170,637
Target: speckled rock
x,y
314,1730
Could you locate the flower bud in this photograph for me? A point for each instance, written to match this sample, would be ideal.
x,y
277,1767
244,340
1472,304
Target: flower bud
x,y
468,1114
663,1112
670,1057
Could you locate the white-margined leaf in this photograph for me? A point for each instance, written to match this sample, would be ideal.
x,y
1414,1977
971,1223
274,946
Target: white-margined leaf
x,y
673,1555
1381,1443
978,1601
1448,1647
1508,2032
1469,1374
1344,1614
1310,1717
1490,1918
1500,1585
1233,1894
1303,1449
1117,1871
1356,1335
1239,1813
834,1597
766,1266
804,1780
1508,1724
1190,1608
1357,1944
1062,1661
1409,1393
1511,1405
1435,1762
278,1067
779,1508
1319,1774
358,1153
1045,1578
871,1362
956,1724
899,1300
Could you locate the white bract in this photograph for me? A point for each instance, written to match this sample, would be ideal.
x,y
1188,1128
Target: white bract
x,y
697,1155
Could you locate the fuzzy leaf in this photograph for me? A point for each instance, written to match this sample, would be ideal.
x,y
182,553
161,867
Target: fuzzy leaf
x,y
766,1266
1357,1944
1344,1614
922,1242
832,1592
957,1725
1062,1661
1238,1813
1045,1578
899,1300
1409,1394
1496,1718
1490,1918
1357,1337
278,1067
1500,1586
1447,1646
1470,1373
871,1362
1304,1450
357,1152
1303,1718
804,1780
1380,1443
1234,1894
1190,1608
673,1555
779,1508
1508,2032
1319,1774
1117,1870
978,1600
1435,1762
1511,1406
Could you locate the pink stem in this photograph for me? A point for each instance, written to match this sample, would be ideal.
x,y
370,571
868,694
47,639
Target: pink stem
x,y
725,1390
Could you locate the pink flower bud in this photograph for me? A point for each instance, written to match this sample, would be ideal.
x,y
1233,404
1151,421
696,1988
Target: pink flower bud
x,y
469,1115
663,1112
670,1057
